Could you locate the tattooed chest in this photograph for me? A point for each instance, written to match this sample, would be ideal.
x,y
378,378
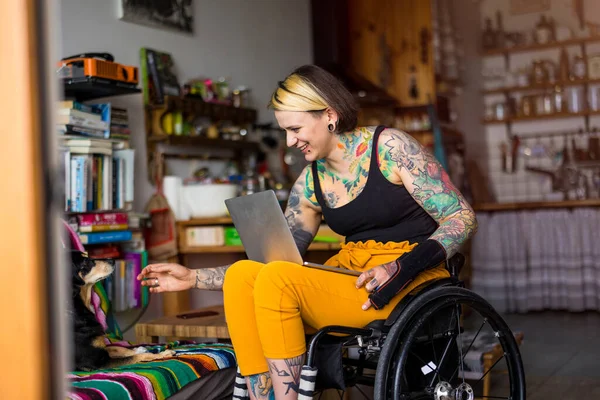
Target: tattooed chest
x,y
340,190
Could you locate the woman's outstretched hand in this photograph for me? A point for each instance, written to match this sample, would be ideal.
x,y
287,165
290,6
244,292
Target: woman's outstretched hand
x,y
374,278
167,278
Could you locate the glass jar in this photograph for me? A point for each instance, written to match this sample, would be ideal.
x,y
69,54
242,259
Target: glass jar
x,y
575,99
594,99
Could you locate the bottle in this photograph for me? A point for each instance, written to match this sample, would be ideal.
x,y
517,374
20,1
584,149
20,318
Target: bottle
x,y
563,66
500,34
488,37
543,31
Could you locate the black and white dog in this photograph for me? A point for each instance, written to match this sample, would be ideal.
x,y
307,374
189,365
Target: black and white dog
x,y
90,350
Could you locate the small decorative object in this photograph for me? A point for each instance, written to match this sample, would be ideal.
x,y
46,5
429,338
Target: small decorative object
x,y
575,99
488,38
563,33
560,105
539,72
515,39
526,106
518,7
594,100
594,66
500,34
164,14
563,66
579,68
241,97
522,77
543,32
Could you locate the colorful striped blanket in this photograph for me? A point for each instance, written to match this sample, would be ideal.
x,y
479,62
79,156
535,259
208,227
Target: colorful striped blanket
x,y
155,380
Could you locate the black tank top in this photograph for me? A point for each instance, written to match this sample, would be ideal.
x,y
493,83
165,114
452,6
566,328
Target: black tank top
x,y
383,211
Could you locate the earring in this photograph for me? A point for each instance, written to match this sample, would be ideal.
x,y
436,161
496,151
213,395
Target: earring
x,y
331,127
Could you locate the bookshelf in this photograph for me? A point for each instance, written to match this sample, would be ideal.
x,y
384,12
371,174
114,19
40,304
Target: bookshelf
x,y
94,88
186,145
540,47
513,92
185,248
98,187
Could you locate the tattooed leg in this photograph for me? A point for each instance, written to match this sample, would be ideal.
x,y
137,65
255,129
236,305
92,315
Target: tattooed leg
x,y
260,387
285,374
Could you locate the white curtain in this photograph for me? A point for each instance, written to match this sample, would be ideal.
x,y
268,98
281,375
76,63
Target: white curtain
x,y
538,260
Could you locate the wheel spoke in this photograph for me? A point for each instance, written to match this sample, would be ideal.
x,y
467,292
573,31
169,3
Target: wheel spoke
x,y
462,364
437,362
491,368
469,348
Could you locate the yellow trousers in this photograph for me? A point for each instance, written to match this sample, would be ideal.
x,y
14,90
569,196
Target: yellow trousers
x,y
269,307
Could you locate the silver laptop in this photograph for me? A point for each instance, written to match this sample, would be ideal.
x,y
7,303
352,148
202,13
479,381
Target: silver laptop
x,y
265,233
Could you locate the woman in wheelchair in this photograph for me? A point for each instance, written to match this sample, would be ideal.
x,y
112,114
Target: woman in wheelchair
x,y
400,213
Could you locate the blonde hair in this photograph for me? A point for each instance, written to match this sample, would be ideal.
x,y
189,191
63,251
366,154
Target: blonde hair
x,y
312,89
297,94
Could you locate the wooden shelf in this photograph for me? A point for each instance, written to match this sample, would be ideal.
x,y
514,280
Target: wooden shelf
x,y
85,89
540,47
199,141
536,205
541,117
544,86
205,221
216,111
240,249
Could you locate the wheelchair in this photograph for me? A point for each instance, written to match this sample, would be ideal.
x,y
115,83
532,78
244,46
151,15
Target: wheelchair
x,y
419,352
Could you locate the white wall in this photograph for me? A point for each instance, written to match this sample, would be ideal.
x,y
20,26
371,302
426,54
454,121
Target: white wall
x,y
253,42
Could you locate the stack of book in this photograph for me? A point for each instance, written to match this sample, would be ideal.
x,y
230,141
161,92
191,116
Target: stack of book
x,y
119,124
99,228
83,119
115,236
97,177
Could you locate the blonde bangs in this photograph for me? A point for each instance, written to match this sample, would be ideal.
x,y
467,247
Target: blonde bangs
x,y
297,94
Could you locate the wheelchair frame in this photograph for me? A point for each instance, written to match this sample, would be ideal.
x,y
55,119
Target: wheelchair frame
x,y
386,339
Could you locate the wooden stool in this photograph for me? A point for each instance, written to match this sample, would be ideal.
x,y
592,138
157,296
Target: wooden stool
x,y
490,358
209,324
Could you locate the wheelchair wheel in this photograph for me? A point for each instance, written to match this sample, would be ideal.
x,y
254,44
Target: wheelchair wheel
x,y
434,351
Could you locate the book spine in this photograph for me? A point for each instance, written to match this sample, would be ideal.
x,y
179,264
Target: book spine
x,y
67,164
158,89
145,293
75,105
79,114
95,203
80,186
78,130
82,122
89,183
104,237
102,219
103,228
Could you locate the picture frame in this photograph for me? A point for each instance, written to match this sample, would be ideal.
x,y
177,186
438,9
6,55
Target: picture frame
x,y
174,15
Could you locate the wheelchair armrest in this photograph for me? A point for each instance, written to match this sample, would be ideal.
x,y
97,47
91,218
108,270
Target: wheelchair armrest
x,y
455,264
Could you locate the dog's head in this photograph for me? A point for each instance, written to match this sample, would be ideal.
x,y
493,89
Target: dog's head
x,y
87,271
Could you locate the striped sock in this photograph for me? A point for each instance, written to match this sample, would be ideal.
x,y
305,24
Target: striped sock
x,y
308,380
240,390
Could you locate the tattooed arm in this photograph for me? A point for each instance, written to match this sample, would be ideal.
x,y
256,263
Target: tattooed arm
x,y
303,213
430,186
